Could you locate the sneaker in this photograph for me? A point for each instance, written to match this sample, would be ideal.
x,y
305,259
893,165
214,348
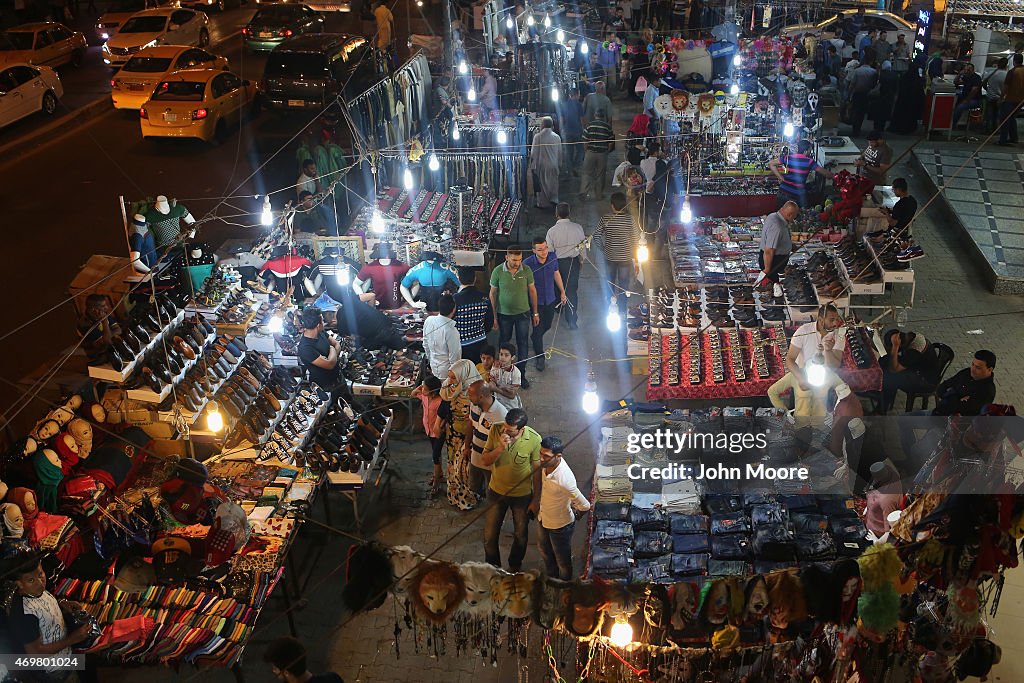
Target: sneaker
x,y
777,290
910,253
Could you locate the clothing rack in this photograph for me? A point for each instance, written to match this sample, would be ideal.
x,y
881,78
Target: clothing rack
x,y
397,108
504,174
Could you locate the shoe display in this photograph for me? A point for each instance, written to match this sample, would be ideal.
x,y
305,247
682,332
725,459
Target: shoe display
x,y
910,254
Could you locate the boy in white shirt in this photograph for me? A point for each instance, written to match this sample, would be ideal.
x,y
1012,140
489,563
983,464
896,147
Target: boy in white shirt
x,y
506,378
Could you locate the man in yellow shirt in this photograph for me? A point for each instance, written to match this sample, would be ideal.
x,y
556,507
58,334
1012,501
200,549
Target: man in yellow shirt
x,y
512,452
385,25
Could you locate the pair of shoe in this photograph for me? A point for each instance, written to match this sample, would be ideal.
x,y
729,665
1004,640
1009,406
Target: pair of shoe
x,y
910,253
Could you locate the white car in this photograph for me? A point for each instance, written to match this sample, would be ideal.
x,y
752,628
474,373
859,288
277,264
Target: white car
x,y
26,89
831,29
134,83
122,10
162,26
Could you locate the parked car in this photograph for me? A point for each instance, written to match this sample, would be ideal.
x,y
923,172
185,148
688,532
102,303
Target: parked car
x,y
134,83
161,26
42,43
832,28
202,104
211,5
121,10
272,24
309,72
26,89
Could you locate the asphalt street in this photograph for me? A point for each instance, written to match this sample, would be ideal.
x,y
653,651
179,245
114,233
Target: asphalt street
x,y
60,200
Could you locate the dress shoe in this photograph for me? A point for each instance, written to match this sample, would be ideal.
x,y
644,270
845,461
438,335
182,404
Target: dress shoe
x,y
187,352
150,380
126,353
115,358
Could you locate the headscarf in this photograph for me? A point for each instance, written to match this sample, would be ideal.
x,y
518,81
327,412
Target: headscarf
x,y
641,122
49,476
20,496
466,374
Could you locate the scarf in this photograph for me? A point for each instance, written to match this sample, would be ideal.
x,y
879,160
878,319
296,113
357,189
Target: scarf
x,y
640,124
465,374
20,497
49,476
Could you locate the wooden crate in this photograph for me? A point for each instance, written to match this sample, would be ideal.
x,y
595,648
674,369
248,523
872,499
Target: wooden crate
x,y
102,275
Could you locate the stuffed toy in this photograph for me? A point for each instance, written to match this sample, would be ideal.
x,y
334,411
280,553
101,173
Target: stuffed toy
x,y
436,591
404,563
584,614
549,602
477,578
512,595
369,577
786,599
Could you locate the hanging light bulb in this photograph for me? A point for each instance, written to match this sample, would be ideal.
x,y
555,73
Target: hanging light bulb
x,y
560,36
433,164
614,320
815,370
590,398
788,129
267,216
275,324
462,67
455,131
343,276
583,47
547,21
621,634
737,59
502,136
508,22
377,222
214,420
554,93
407,180
686,215
471,95
530,21
734,89
642,252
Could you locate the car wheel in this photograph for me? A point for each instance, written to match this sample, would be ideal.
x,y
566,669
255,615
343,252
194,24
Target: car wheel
x,y
204,38
49,103
77,56
220,132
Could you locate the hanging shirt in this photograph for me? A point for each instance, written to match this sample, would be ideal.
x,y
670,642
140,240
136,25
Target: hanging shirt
x,y
385,281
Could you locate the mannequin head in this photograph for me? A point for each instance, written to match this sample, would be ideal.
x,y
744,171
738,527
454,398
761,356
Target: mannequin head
x,y
431,256
384,253
46,430
162,205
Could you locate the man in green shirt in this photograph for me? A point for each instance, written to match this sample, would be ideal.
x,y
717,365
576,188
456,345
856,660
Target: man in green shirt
x,y
512,452
514,302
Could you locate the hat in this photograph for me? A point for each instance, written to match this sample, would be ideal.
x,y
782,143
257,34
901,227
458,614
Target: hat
x,y
229,532
139,221
843,390
191,471
183,499
874,135
135,576
172,559
431,256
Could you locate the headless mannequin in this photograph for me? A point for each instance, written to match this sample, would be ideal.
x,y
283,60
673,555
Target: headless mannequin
x,y
142,246
409,293
165,221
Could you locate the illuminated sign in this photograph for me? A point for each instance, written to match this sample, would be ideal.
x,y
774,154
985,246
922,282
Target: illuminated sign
x,y
924,34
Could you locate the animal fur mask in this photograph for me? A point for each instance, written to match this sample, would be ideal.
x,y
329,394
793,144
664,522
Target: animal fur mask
x,y
436,591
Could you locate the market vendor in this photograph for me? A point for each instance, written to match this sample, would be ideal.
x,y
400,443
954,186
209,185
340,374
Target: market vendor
x,y
823,336
313,216
876,159
792,169
318,352
776,246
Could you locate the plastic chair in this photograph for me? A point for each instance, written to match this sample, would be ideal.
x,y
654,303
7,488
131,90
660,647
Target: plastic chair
x,y
944,358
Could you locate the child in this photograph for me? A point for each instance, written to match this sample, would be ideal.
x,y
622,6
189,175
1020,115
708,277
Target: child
x,y
506,378
487,354
430,394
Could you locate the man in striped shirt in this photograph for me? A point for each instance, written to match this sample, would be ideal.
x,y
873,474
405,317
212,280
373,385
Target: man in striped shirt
x,y
792,169
617,235
484,411
599,140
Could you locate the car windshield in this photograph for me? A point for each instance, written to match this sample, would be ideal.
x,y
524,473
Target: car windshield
x,y
274,15
296,64
147,65
153,24
179,91
16,41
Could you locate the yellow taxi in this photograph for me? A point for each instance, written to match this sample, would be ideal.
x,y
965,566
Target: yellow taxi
x,y
134,82
202,104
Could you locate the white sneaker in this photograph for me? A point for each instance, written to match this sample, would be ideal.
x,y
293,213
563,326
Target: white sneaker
x,y
777,290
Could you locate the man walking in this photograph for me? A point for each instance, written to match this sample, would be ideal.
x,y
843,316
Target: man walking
x,y
473,315
617,234
560,498
994,91
570,122
550,293
385,25
485,411
595,102
545,158
513,453
792,169
1009,105
776,246
861,81
599,142
513,298
565,238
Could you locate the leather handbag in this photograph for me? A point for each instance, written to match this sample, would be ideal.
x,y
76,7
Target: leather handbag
x,y
730,523
690,543
690,564
731,547
689,524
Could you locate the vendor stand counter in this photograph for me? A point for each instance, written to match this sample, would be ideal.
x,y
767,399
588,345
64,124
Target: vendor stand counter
x,y
349,484
841,150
